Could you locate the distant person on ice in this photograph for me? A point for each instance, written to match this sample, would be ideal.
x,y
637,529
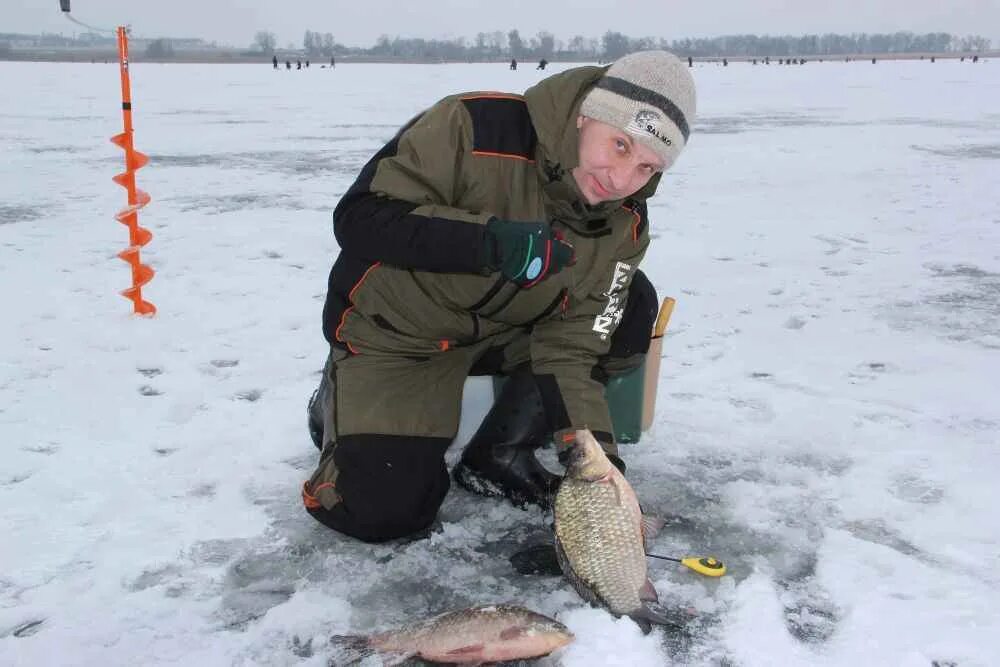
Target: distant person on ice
x,y
513,63
494,234
542,63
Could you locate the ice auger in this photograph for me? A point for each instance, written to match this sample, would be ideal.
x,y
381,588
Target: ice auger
x,y
129,216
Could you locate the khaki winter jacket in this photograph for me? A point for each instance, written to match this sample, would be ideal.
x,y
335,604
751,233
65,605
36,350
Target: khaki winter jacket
x,y
410,278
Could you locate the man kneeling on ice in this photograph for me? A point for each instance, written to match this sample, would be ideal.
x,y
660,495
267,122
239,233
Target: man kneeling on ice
x,y
495,234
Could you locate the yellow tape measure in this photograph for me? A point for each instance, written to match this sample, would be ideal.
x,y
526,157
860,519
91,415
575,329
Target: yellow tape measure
x,y
708,566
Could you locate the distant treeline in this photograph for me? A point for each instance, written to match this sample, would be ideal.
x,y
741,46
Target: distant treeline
x,y
613,45
492,46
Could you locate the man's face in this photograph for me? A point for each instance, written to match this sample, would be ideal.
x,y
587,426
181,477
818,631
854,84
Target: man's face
x,y
612,164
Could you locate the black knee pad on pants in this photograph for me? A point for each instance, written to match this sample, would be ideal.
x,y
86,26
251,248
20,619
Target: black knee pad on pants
x,y
390,486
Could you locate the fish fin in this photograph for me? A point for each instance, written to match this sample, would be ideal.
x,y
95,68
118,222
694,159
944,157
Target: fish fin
x,y
651,526
513,632
349,650
656,614
561,557
648,592
465,650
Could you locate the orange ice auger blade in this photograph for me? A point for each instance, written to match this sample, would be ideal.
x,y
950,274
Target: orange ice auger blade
x,y
137,199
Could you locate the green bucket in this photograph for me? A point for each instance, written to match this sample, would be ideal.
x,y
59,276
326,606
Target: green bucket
x,y
624,394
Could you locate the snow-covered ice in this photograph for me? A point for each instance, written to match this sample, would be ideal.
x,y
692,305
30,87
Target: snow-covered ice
x,y
828,420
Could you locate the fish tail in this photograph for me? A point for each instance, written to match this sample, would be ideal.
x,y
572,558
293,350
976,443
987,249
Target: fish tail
x,y
651,613
349,650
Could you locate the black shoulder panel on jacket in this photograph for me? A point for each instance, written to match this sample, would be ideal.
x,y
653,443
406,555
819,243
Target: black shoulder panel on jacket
x,y
501,126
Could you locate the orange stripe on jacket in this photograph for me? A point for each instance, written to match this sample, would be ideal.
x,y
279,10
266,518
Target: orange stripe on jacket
x,y
510,155
635,225
350,297
494,96
309,498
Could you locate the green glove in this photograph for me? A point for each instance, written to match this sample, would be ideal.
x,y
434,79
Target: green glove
x,y
526,252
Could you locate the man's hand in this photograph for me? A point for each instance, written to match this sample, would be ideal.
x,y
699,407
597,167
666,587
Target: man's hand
x,y
526,252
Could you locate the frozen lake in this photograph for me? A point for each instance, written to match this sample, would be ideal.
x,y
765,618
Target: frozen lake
x,y
828,421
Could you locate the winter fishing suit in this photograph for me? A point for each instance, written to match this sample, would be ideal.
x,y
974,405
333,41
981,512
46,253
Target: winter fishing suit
x,y
412,309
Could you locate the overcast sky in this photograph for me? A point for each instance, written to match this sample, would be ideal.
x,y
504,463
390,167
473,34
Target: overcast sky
x,y
361,22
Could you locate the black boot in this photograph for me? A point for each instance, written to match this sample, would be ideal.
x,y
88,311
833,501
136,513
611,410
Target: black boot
x,y
500,458
317,408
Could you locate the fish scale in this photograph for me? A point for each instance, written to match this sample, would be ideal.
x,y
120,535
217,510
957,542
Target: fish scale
x,y
488,633
467,625
601,537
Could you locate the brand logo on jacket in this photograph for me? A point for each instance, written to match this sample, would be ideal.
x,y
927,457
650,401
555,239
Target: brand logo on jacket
x,y
609,318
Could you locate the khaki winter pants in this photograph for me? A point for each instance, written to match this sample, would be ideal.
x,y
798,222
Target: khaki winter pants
x,y
390,418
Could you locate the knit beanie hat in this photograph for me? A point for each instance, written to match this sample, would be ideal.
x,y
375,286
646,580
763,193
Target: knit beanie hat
x,y
650,95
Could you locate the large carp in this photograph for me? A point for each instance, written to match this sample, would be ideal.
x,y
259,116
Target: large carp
x,y
599,535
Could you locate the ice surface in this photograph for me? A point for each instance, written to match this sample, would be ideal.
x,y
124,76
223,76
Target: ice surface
x,y
827,423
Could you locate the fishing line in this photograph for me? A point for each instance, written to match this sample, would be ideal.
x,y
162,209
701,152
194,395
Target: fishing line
x,y
87,26
64,6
